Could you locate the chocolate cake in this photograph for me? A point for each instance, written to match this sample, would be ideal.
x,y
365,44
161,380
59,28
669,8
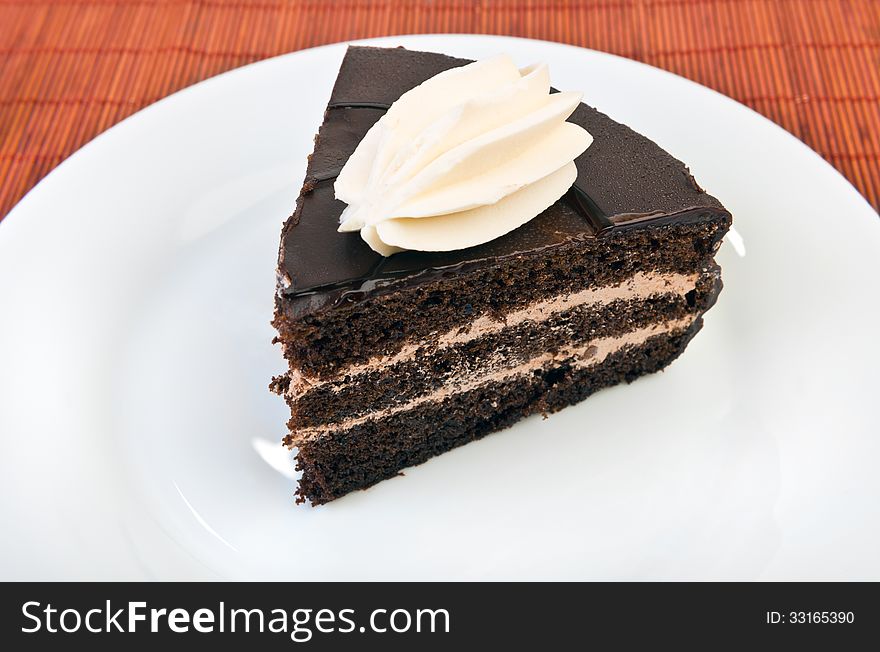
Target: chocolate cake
x,y
395,359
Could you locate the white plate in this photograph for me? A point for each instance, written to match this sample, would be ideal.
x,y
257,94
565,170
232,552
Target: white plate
x,y
139,439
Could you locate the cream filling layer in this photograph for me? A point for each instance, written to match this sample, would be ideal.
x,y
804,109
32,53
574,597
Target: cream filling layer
x,y
581,356
641,285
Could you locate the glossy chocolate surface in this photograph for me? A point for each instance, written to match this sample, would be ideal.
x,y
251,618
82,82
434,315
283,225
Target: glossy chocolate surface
x,y
624,181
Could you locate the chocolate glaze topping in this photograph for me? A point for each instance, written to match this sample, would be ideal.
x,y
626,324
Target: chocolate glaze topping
x,y
624,181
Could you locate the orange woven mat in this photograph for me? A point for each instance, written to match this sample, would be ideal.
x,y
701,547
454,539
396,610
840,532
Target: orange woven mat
x,y
69,69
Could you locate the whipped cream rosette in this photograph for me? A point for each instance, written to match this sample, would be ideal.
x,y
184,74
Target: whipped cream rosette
x,y
465,157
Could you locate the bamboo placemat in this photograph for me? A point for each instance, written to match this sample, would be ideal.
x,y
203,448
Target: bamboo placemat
x,y
70,69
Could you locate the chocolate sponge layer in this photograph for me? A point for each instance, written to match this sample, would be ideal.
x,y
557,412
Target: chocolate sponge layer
x,y
323,343
430,367
341,461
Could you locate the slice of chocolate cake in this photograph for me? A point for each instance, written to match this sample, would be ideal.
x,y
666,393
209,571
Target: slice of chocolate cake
x,y
396,358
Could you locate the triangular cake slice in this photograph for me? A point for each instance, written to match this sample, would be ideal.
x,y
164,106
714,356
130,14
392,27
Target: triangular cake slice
x,y
395,360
